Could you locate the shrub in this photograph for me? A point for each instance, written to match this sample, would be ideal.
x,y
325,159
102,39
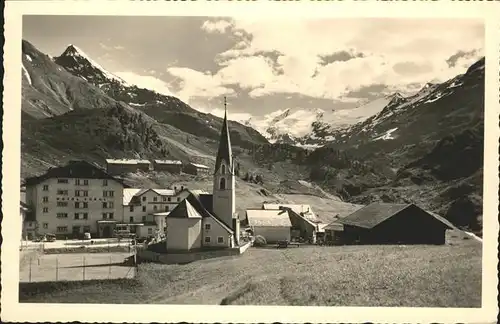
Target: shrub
x,y
260,241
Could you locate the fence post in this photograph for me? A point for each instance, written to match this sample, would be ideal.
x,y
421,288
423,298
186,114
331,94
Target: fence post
x,y
31,259
109,273
83,268
57,268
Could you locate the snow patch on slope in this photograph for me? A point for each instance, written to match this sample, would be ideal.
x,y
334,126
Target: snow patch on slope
x,y
26,74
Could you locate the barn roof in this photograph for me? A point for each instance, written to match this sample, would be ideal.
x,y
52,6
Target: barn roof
x,y
168,162
128,194
271,218
185,210
376,213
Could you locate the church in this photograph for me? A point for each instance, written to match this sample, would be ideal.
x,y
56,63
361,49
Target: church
x,y
205,221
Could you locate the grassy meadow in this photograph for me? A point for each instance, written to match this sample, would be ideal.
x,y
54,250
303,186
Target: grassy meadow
x,y
419,276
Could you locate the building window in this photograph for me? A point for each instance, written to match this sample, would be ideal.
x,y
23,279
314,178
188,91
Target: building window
x,y
108,193
143,198
62,192
104,205
85,215
222,184
62,204
77,204
77,216
45,209
167,208
85,193
143,208
155,208
45,225
85,205
108,204
178,199
77,182
104,215
85,182
143,218
45,199
105,182
62,229
131,208
76,229
45,188
223,169
207,239
86,229
62,180
150,231
155,199
111,215
220,239
169,199
164,198
131,219
207,226
77,193
62,215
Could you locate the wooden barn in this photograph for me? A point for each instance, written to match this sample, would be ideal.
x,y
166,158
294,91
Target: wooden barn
x,y
117,167
171,166
381,223
195,169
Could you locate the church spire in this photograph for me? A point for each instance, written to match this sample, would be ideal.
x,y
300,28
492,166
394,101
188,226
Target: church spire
x,y
224,153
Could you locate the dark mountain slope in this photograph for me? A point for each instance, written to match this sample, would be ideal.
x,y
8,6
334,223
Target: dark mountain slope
x,y
49,90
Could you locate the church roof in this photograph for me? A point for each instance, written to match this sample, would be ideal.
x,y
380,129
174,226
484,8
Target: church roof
x,y
197,204
224,153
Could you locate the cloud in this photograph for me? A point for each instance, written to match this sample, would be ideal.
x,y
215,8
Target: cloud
x,y
291,56
145,81
195,84
110,48
219,26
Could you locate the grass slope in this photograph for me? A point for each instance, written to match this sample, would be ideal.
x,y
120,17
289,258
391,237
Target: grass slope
x,y
410,276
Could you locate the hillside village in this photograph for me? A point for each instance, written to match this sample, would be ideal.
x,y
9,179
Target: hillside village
x,y
108,163
81,199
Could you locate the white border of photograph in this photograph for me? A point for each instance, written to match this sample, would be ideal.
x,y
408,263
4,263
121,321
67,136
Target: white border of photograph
x,y
13,311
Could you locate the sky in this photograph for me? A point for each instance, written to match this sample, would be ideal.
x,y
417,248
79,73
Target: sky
x,y
268,66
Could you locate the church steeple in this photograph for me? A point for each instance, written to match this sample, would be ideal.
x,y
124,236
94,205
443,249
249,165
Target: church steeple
x,y
224,154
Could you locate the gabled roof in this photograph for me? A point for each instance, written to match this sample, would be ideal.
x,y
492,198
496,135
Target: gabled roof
x,y
375,213
199,166
169,162
126,161
185,210
193,205
303,211
128,194
271,218
224,152
74,169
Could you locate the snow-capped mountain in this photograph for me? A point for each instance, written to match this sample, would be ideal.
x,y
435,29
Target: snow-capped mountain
x,y
437,110
77,62
311,127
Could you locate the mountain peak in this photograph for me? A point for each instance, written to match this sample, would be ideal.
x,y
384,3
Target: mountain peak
x,y
75,59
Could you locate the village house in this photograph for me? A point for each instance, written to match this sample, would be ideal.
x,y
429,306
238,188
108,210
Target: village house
x,y
195,168
145,210
382,223
305,223
207,221
171,166
74,199
122,166
273,224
